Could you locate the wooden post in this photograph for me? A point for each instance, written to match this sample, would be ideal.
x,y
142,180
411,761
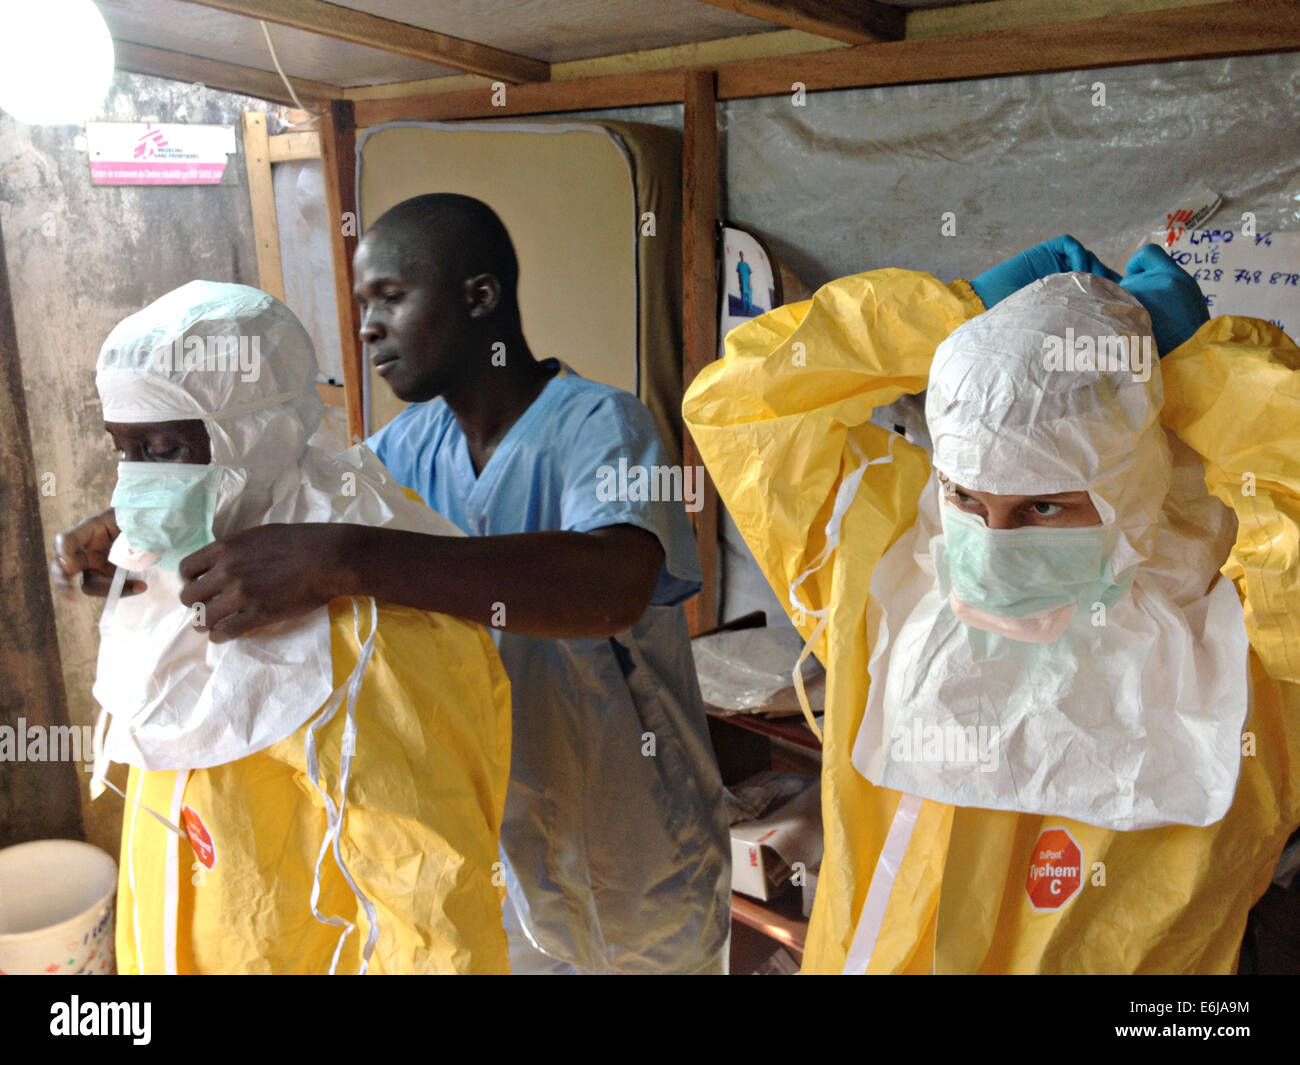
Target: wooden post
x,y
700,306
261,193
39,799
338,149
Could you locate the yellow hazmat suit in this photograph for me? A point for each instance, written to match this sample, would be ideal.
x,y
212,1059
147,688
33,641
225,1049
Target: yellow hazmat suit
x,y
782,421
425,801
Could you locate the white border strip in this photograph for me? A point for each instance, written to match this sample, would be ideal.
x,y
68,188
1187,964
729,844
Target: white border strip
x,y
882,885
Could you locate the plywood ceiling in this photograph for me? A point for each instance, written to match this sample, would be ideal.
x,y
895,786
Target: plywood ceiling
x,y
195,30
552,31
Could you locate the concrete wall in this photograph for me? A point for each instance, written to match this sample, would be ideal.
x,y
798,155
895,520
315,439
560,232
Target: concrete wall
x,y
81,258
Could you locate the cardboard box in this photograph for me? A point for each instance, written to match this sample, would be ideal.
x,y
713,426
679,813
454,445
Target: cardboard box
x,y
763,852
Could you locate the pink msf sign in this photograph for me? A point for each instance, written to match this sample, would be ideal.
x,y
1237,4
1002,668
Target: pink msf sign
x,y
147,153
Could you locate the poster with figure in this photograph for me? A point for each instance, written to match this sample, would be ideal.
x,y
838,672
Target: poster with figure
x,y
749,283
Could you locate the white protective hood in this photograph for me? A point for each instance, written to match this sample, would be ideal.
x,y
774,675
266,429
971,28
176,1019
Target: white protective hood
x,y
1133,717
237,359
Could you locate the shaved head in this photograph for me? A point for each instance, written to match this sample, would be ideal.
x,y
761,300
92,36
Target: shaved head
x,y
446,238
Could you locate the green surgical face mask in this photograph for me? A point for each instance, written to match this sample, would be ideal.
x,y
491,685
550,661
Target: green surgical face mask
x,y
166,508
1025,575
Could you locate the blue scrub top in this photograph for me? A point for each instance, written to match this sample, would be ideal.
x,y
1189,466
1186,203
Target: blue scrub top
x,y
576,446
614,837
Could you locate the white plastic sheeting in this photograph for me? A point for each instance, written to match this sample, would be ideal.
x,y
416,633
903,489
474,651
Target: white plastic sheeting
x,y
859,179
306,260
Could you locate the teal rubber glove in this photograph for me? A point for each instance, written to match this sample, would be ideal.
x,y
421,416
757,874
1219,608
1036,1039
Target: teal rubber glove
x,y
1061,255
1170,295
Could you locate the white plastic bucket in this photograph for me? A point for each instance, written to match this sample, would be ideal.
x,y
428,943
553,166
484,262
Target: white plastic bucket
x,y
56,908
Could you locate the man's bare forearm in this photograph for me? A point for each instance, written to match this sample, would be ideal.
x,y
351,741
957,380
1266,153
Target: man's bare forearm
x,y
557,585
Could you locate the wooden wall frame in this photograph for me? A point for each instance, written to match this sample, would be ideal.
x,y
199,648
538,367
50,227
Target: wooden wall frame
x,y
1245,27
261,193
700,308
338,148
260,152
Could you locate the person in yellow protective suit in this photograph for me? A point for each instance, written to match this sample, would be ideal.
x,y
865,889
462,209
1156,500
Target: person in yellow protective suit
x,y
337,783
425,801
1072,864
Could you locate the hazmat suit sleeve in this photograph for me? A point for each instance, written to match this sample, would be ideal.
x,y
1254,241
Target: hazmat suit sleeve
x,y
783,419
1232,393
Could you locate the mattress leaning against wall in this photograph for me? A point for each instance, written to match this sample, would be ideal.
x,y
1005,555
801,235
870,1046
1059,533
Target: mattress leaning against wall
x,y
594,213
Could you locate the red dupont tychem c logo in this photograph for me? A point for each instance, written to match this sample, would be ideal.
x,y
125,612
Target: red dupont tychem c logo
x,y
1055,870
204,849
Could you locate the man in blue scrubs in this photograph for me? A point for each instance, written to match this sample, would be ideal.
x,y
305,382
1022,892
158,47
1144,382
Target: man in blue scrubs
x,y
615,844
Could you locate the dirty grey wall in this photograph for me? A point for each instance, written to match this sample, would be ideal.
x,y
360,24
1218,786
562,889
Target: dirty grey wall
x,y
39,797
81,258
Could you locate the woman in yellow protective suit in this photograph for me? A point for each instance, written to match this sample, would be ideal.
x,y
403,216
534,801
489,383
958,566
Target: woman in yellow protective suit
x,y
326,795
1050,745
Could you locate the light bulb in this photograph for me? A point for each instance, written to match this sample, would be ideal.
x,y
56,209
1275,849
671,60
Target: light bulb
x,y
56,60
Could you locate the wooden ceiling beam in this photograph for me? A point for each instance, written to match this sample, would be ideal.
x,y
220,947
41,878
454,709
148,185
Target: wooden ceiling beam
x,y
1247,27
701,55
850,21
1222,29
778,43
1018,14
614,90
265,85
358,27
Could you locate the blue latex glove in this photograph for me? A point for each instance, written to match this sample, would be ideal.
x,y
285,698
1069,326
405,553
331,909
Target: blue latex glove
x,y
1061,255
1170,295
